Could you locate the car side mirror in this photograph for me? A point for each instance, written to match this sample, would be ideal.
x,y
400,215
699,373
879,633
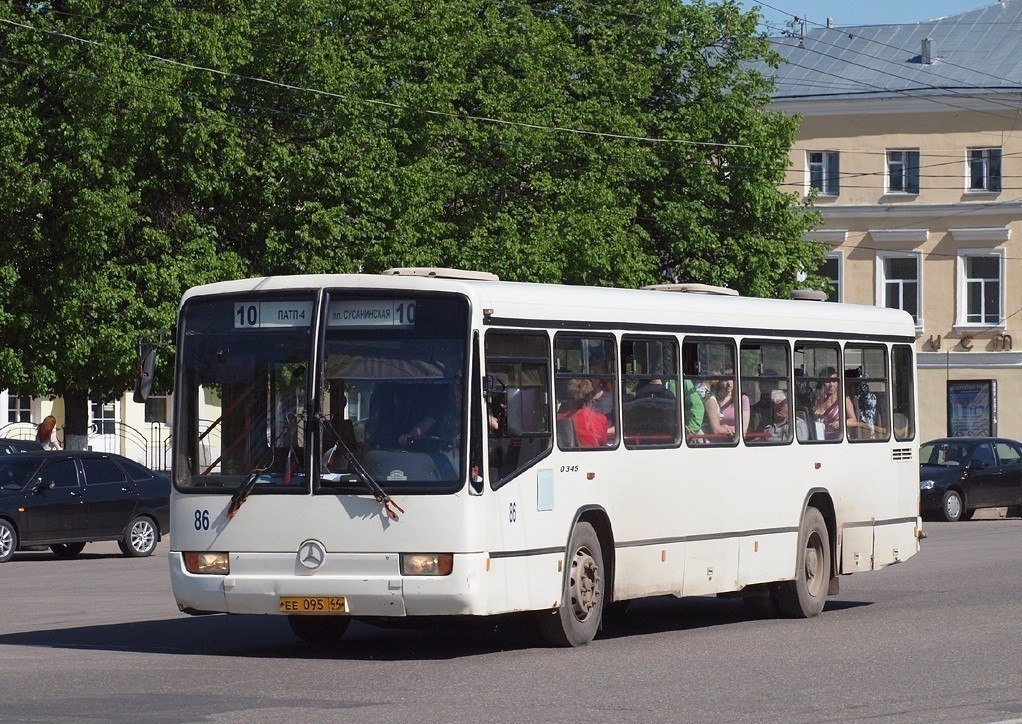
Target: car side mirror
x,y
42,485
979,465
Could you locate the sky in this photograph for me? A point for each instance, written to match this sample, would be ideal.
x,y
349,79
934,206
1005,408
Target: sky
x,y
861,12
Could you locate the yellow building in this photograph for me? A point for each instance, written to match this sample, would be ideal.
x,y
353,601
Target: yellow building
x,y
911,141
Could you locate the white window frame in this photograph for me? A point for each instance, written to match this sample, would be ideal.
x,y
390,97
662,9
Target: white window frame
x,y
987,176
961,289
882,280
830,183
904,172
839,282
10,398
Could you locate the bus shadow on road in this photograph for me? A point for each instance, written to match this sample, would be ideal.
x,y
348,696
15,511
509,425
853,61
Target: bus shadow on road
x,y
271,637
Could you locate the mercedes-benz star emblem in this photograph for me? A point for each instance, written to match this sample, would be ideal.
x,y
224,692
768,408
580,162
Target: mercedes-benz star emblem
x,y
311,554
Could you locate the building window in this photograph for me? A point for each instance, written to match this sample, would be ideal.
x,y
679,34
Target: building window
x,y
156,410
980,287
903,172
899,283
831,270
824,172
19,408
104,418
984,169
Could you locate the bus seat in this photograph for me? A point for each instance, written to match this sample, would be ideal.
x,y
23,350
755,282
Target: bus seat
x,y
566,435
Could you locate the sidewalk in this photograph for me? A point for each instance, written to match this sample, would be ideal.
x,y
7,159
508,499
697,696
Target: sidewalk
x,y
990,513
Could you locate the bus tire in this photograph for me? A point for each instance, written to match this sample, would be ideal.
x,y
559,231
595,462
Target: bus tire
x,y
319,629
805,596
8,540
576,621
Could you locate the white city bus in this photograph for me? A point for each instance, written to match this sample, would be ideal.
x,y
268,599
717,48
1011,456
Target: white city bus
x,y
442,443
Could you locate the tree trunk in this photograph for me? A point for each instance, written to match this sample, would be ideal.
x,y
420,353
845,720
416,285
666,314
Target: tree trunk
x,y
76,423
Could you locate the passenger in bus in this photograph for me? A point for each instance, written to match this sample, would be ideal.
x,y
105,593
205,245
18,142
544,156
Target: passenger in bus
x,y
695,409
779,427
720,408
591,427
439,424
827,407
762,411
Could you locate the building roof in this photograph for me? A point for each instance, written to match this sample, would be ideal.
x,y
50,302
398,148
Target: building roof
x,y
979,51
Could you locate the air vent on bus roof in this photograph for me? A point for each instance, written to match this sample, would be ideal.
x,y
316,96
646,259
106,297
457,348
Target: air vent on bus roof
x,y
693,289
442,273
810,295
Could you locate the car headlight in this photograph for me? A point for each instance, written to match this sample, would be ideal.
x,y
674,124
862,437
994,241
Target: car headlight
x,y
926,484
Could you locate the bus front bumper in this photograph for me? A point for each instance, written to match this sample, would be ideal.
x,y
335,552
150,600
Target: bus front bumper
x,y
370,584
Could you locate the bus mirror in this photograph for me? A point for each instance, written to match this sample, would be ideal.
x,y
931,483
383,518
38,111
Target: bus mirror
x,y
144,375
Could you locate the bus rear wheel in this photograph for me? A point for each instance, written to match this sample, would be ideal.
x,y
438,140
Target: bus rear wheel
x,y
576,621
805,596
319,629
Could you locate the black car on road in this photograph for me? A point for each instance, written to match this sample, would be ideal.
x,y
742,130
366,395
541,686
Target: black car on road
x,y
957,475
12,445
65,499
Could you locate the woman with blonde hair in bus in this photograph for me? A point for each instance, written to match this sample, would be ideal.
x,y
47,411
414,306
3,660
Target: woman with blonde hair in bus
x,y
827,406
720,408
46,433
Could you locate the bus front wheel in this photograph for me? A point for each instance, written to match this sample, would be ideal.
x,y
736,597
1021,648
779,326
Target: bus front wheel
x,y
319,629
805,596
576,621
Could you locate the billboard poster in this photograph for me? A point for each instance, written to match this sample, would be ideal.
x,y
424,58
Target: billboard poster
x,y
971,408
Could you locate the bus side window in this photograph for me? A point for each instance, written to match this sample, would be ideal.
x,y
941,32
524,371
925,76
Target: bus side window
x,y
585,372
765,379
650,404
866,387
902,384
709,364
518,402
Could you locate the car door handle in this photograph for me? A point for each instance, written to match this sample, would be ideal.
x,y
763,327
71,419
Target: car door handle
x,y
76,494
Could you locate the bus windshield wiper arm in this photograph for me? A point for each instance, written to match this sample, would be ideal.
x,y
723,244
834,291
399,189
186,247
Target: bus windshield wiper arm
x,y
242,493
389,505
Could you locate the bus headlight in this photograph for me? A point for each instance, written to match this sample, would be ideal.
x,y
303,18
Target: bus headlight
x,y
926,484
427,564
206,563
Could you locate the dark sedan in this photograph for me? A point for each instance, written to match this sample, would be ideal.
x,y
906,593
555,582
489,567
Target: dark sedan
x,y
67,499
11,445
957,475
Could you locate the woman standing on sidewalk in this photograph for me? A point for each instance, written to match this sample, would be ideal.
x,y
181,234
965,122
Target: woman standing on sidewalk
x,y
46,433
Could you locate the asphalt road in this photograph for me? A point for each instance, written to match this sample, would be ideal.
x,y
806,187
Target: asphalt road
x,y
938,638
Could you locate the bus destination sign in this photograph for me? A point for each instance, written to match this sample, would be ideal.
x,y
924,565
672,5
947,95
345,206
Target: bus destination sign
x,y
263,315
372,313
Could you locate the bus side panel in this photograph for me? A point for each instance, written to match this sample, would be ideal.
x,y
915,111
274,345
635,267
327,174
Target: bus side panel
x,y
856,548
893,543
649,570
766,558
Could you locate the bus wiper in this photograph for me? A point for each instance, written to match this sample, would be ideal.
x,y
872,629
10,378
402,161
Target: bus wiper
x,y
390,506
243,491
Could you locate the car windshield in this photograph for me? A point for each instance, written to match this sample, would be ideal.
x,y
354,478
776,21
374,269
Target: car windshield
x,y
14,472
946,453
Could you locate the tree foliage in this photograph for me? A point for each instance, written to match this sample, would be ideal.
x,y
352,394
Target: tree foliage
x,y
147,147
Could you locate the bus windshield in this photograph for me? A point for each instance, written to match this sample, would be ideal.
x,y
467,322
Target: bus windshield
x,y
244,382
393,390
388,400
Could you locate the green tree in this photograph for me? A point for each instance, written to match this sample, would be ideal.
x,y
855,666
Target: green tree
x,y
148,147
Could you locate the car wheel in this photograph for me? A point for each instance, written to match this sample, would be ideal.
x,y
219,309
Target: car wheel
x,y
319,629
8,541
139,538
67,550
952,506
576,621
806,595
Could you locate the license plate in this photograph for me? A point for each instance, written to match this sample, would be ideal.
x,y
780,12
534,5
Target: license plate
x,y
311,605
